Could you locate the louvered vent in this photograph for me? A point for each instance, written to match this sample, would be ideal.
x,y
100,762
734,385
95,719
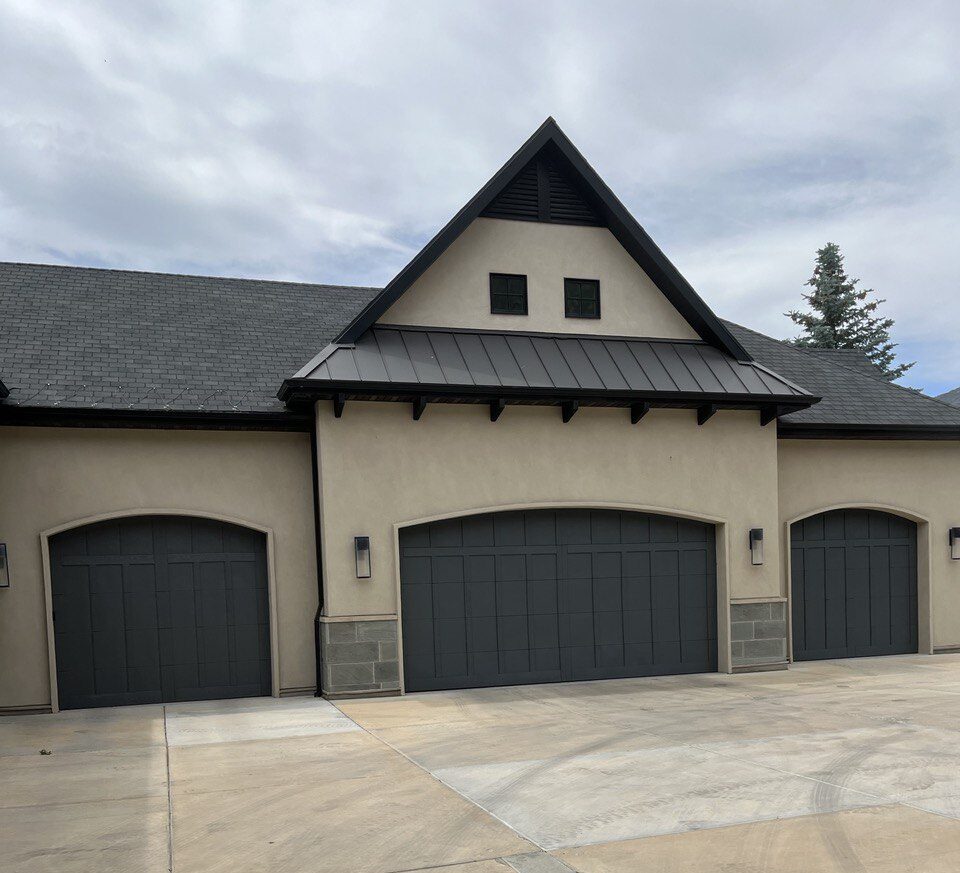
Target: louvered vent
x,y
519,198
567,206
545,176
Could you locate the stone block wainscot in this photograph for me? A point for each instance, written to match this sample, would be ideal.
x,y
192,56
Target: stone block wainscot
x,y
758,635
359,656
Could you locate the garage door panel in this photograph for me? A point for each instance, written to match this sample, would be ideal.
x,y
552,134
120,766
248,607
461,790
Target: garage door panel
x,y
154,600
853,580
563,581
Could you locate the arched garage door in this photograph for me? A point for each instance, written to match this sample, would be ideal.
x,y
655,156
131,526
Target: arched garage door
x,y
556,595
156,609
853,585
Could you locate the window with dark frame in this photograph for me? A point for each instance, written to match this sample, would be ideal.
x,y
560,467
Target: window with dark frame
x,y
581,298
508,294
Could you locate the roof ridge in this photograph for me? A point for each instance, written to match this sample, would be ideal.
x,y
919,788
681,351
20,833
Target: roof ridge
x,y
186,275
914,392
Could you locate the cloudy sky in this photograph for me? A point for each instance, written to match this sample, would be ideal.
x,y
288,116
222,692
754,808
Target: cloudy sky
x,y
328,141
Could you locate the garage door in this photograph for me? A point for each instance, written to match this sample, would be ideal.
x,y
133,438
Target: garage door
x,y
549,596
854,585
148,610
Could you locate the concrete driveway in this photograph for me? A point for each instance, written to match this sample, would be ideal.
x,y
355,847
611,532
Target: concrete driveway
x,y
832,766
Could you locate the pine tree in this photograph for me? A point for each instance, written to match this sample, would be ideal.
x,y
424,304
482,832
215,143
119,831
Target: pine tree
x,y
844,316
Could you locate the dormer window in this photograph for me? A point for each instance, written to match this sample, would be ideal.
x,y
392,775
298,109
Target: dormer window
x,y
581,298
508,294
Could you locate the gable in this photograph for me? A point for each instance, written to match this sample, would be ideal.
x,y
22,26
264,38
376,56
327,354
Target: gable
x,y
455,290
552,142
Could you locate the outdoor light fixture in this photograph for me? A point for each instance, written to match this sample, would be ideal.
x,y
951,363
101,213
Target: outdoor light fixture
x,y
361,547
955,543
4,567
756,546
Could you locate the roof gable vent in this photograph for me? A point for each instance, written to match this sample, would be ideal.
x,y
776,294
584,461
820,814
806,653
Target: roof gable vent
x,y
544,190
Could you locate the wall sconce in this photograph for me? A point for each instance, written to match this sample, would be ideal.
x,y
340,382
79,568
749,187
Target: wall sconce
x,y
4,567
756,546
361,547
955,543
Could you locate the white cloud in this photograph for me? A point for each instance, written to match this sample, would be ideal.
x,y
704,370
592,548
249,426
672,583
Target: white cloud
x,y
327,141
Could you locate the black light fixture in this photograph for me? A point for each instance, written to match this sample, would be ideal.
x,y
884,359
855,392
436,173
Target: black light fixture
x,y
756,546
955,543
4,567
361,547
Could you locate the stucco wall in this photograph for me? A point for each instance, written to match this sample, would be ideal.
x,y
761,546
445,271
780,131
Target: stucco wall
x,y
455,291
920,478
380,468
53,476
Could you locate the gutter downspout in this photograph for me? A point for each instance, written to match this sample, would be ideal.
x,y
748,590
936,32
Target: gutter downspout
x,y
316,535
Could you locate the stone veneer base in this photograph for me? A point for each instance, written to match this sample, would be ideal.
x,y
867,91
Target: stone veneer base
x,y
758,635
358,656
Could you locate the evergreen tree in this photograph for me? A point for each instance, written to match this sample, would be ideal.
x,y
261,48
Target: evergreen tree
x,y
844,316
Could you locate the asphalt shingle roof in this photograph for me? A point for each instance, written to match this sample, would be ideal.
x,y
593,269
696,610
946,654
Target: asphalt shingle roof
x,y
850,394
120,340
952,397
117,339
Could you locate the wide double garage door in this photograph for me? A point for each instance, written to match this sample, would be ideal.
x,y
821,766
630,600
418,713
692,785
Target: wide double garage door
x,y
156,609
556,595
853,585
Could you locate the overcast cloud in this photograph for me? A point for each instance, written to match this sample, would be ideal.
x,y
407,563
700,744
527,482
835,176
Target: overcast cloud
x,y
328,141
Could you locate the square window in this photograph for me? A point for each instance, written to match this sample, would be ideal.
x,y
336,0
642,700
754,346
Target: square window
x,y
581,298
508,294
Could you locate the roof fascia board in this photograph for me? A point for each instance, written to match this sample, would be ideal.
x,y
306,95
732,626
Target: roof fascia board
x,y
303,389
795,431
45,416
624,227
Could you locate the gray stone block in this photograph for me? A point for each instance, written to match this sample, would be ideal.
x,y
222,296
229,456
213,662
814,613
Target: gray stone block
x,y
749,611
351,653
736,650
741,630
386,671
778,611
338,631
357,676
377,630
773,649
388,651
770,630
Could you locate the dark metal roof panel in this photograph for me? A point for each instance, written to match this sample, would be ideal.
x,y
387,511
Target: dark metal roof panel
x,y
565,362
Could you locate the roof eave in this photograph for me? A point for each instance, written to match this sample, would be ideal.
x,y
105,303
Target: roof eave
x,y
848,431
296,391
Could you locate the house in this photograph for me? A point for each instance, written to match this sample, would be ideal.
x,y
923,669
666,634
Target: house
x,y
536,455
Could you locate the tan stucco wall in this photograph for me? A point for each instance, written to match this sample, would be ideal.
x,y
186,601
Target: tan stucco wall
x,y
921,479
53,476
455,291
380,468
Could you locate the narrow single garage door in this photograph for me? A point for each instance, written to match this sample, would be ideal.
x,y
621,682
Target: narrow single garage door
x,y
156,609
549,596
854,585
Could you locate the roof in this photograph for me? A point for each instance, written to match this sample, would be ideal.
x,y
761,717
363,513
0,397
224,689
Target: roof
x,y
121,340
855,358
952,397
96,341
852,397
602,203
393,360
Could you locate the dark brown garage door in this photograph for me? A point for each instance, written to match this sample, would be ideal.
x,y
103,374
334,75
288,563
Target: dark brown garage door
x,y
853,585
156,609
549,596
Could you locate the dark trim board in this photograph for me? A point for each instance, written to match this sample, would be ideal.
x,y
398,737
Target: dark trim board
x,y
620,222
787,430
45,416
